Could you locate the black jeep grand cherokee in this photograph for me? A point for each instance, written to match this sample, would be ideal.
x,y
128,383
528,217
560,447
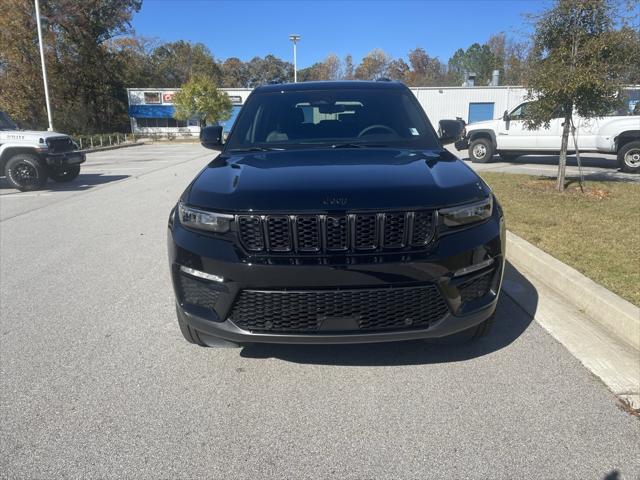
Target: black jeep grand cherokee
x,y
334,215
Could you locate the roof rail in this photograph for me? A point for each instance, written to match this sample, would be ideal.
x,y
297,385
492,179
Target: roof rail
x,y
383,79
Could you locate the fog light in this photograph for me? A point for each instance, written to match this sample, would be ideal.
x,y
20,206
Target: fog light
x,y
473,268
199,274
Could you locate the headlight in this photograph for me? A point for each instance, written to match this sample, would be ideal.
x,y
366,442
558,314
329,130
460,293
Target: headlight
x,y
466,214
203,220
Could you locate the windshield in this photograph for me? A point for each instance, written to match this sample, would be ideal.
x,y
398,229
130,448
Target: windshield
x,y
6,123
334,118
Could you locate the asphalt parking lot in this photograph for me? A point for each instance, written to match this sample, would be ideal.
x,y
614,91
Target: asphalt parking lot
x,y
595,166
97,382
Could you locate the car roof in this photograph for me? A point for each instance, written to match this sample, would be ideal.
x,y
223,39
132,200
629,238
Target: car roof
x,y
331,85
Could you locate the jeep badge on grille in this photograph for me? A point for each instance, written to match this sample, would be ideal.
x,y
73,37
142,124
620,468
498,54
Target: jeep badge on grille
x,y
335,201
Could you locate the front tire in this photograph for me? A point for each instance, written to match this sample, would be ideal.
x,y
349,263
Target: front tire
x,y
481,150
629,157
25,172
64,174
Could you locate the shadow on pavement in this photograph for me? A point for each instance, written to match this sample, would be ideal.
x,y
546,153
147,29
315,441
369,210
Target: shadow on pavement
x,y
84,181
511,322
586,159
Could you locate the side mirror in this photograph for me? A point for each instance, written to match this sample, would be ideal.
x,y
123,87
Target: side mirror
x,y
450,130
505,116
211,137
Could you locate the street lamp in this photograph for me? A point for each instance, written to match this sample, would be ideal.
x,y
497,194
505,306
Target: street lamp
x,y
44,67
295,38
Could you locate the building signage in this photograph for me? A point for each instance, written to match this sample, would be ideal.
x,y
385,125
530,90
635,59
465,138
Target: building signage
x,y
167,97
235,99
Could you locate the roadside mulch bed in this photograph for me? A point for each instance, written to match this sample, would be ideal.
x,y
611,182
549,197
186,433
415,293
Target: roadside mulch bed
x,y
596,232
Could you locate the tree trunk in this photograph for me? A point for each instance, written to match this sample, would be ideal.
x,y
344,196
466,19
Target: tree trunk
x,y
562,164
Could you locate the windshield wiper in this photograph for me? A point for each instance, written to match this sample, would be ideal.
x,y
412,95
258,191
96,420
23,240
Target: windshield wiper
x,y
357,145
256,149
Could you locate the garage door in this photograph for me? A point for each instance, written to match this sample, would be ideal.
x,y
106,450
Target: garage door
x,y
480,111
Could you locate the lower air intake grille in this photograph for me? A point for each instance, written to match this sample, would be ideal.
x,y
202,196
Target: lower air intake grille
x,y
476,288
359,310
197,292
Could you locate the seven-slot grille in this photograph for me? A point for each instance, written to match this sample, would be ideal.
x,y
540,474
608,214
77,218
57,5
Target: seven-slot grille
x,y
353,232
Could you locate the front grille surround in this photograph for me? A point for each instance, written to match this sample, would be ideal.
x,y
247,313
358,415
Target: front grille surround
x,y
60,144
367,309
351,232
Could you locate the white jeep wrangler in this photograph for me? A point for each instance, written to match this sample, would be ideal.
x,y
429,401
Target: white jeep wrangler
x,y
509,138
28,158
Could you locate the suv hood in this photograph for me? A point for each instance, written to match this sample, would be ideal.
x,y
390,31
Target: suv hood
x,y
334,179
32,134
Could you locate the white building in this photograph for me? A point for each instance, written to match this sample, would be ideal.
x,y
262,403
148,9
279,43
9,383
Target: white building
x,y
151,111
472,104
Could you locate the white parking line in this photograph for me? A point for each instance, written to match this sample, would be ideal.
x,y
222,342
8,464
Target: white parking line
x,y
22,195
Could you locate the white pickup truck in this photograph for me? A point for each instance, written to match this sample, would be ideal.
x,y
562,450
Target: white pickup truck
x,y
509,138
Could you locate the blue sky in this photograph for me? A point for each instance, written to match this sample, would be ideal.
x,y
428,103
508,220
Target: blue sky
x,y
245,29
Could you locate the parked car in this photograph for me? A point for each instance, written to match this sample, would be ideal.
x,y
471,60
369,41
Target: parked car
x,y
508,136
333,214
28,158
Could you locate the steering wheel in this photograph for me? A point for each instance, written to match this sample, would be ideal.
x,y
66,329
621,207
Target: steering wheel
x,y
373,127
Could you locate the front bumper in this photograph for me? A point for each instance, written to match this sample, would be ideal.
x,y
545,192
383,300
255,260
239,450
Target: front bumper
x,y
462,143
240,272
65,159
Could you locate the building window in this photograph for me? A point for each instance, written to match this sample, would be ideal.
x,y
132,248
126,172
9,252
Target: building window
x,y
480,111
163,122
152,97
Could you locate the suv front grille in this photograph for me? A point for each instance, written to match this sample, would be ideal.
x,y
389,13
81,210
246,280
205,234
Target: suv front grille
x,y
60,144
353,232
356,310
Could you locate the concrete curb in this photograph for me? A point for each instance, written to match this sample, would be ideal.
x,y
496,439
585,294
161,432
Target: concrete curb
x,y
613,313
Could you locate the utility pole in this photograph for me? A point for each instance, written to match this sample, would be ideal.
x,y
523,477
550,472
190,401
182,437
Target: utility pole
x,y
295,39
44,67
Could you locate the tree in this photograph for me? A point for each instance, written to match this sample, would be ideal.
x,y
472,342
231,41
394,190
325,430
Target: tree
x,y
200,97
317,71
398,70
515,63
374,65
234,73
333,67
348,67
476,59
578,63
174,63
87,93
425,70
269,69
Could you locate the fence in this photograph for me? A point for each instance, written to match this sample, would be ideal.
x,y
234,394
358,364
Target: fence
x,y
106,140
91,142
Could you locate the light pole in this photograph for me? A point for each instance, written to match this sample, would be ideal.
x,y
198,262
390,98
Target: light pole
x,y
44,67
294,38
